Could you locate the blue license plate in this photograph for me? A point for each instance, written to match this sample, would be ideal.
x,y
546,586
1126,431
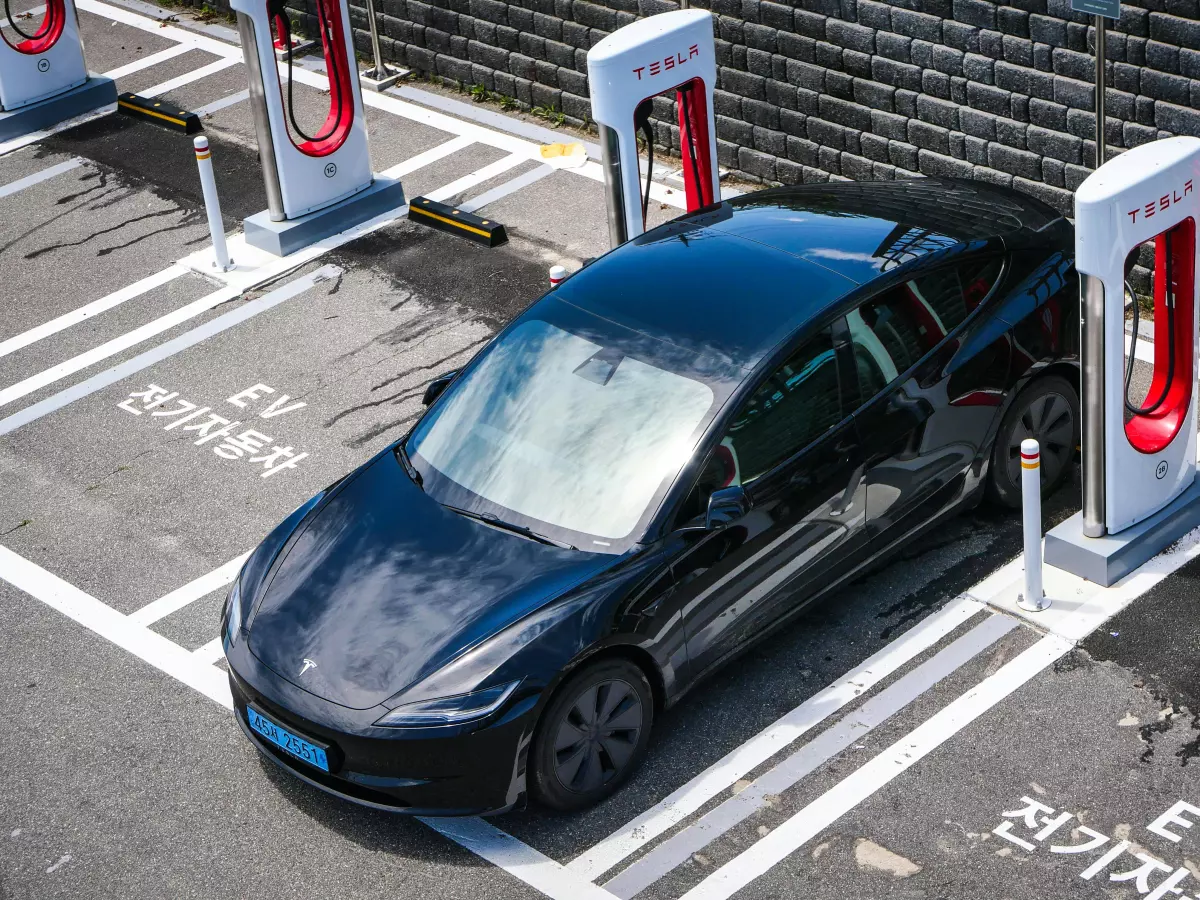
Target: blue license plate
x,y
285,740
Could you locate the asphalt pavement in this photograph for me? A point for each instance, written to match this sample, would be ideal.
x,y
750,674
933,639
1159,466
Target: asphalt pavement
x,y
904,739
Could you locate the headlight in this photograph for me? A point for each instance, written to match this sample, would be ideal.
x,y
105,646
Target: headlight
x,y
449,710
233,612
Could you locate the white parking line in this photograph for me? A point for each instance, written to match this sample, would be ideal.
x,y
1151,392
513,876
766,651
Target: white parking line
x,y
1080,607
784,731
1144,350
195,670
170,348
147,61
385,101
33,13
425,116
189,593
500,191
33,137
245,281
245,276
116,345
217,105
166,16
210,653
482,838
46,174
251,269
853,728
431,155
164,655
591,170
489,118
66,320
468,181
865,781
1086,615
517,858
162,29
188,77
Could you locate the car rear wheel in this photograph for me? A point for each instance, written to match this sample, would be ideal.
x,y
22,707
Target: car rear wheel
x,y
592,736
1048,412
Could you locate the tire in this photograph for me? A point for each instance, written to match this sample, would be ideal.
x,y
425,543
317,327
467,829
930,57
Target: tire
x,y
575,763
1048,411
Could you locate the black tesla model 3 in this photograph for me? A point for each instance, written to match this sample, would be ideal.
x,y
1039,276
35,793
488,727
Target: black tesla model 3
x,y
660,461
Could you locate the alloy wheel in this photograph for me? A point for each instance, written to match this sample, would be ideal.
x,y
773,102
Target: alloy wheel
x,y
1049,420
598,735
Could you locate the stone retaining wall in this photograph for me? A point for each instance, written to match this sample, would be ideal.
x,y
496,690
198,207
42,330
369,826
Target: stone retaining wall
x,y
850,88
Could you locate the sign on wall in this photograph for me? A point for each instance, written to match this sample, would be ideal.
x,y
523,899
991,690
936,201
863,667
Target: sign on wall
x,y
1110,9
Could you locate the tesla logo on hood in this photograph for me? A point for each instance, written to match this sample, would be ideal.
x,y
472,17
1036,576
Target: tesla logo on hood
x,y
308,664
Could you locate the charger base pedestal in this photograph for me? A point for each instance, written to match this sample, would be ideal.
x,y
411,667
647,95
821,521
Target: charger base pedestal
x,y
1106,560
290,235
94,94
379,80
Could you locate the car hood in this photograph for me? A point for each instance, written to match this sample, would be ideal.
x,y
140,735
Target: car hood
x,y
383,586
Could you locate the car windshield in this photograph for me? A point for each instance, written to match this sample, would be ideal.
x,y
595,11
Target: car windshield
x,y
563,430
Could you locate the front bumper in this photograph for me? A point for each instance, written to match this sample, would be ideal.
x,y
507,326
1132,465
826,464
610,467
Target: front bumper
x,y
468,773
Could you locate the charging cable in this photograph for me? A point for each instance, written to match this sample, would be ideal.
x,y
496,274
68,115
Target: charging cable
x,y
1169,303
685,94
641,121
47,22
276,10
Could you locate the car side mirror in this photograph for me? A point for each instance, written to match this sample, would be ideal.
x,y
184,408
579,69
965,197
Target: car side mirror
x,y
725,505
435,388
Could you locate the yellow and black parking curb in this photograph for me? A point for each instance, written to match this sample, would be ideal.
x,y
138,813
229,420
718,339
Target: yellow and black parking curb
x,y
159,113
455,221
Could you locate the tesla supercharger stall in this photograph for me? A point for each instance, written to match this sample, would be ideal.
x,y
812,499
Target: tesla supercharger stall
x,y
671,51
43,77
1139,452
318,179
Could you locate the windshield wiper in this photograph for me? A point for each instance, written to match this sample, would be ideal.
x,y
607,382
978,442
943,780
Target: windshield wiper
x,y
522,530
402,455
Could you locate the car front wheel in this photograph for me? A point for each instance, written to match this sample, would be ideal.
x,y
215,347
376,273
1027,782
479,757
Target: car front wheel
x,y
592,736
1048,412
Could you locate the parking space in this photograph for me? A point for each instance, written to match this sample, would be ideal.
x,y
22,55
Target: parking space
x,y
157,419
54,232
960,827
112,46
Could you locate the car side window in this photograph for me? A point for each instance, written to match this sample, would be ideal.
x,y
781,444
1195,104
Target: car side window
x,y
893,330
979,276
797,404
794,406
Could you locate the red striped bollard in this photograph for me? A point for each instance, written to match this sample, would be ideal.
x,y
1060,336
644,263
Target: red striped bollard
x,y
1034,597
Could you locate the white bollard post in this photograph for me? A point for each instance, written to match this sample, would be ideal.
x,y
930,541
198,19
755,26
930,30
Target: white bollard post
x,y
558,274
1034,597
212,204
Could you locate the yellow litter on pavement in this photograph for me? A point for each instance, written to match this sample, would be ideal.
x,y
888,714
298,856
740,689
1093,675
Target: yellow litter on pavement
x,y
564,156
